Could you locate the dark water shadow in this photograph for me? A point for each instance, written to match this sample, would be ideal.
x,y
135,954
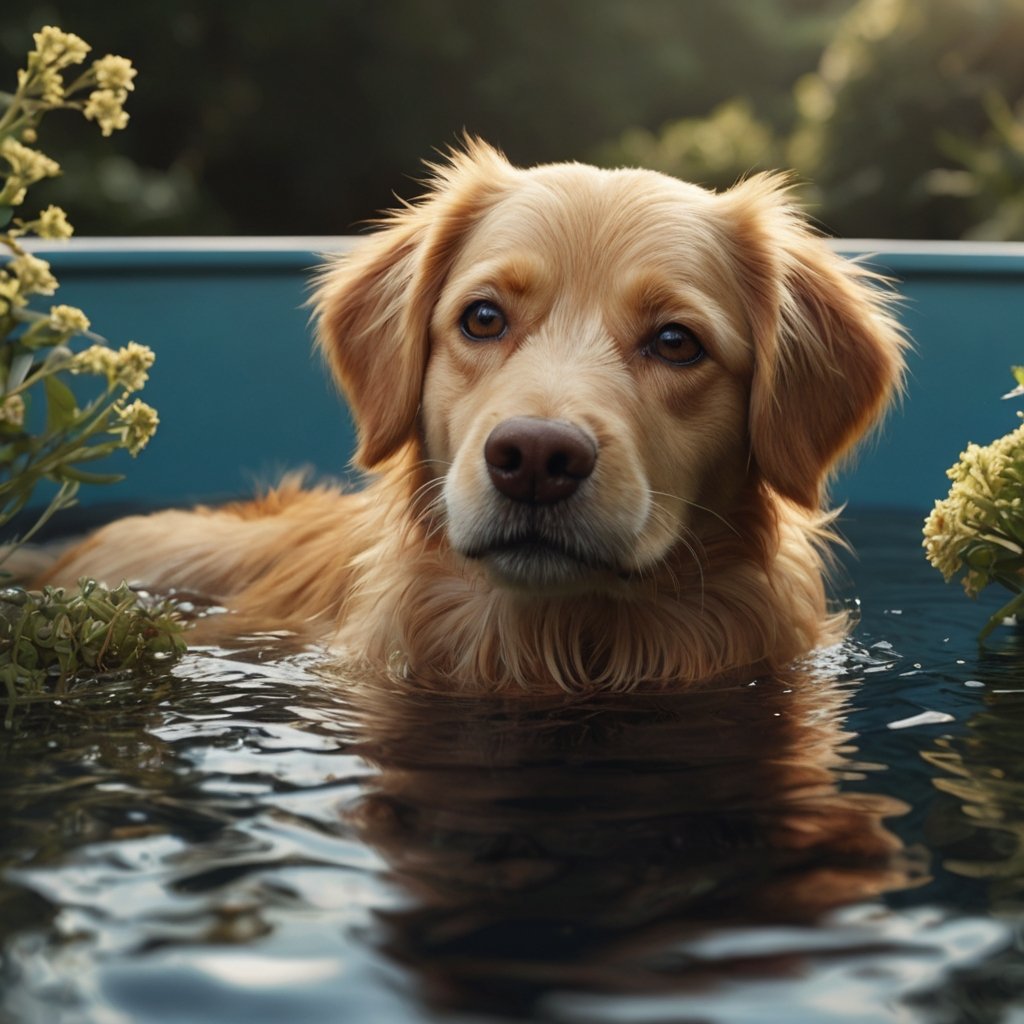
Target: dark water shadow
x,y
593,846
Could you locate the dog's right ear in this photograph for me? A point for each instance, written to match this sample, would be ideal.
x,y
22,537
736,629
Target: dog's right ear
x,y
374,304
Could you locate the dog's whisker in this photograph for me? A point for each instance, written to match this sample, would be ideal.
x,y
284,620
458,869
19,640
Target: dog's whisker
x,y
663,519
435,528
697,554
427,460
697,561
694,546
431,514
693,504
425,488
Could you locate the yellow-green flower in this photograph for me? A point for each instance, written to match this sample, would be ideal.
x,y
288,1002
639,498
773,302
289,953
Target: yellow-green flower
x,y
133,362
946,534
33,274
126,367
57,48
46,83
96,359
68,320
105,107
53,223
12,411
28,165
114,73
62,433
138,423
11,295
982,514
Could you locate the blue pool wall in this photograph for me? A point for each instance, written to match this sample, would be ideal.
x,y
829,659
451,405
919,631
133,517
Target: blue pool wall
x,y
243,397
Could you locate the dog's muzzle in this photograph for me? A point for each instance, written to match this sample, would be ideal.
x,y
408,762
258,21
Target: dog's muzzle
x,y
538,461
527,531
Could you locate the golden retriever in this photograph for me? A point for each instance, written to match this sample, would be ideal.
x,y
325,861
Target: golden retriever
x,y
600,407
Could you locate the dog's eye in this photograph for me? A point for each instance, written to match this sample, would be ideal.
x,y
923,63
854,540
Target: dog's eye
x,y
483,321
676,344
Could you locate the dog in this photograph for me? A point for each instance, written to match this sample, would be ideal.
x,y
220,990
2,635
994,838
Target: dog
x,y
600,409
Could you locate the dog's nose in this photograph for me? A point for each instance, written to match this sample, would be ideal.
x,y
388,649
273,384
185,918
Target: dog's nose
x,y
537,460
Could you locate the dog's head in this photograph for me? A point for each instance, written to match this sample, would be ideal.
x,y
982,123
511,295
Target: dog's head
x,y
592,363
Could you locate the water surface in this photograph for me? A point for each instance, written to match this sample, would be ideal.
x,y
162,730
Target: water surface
x,y
253,839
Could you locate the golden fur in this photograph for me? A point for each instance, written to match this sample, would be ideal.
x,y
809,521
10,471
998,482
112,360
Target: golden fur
x,y
695,546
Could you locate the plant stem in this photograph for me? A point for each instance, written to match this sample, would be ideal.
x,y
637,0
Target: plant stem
x,y
1008,609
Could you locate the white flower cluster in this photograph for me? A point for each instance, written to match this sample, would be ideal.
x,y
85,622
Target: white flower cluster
x,y
23,276
25,167
979,527
137,423
41,87
115,77
35,354
126,367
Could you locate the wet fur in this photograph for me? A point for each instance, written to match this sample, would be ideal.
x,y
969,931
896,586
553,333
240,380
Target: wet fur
x,y
701,535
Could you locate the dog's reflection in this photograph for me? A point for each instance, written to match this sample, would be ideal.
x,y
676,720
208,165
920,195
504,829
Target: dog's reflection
x,y
552,844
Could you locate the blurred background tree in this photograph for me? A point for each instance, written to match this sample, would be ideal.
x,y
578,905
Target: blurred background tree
x,y
904,117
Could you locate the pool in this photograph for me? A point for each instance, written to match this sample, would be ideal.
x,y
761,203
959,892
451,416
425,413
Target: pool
x,y
255,839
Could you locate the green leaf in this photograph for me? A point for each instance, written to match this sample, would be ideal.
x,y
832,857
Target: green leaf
x,y
97,450
20,365
85,477
6,213
1018,374
994,538
61,406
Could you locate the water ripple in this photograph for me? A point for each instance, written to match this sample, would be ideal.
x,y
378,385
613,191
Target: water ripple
x,y
250,839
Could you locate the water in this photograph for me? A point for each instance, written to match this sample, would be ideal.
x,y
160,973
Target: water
x,y
251,840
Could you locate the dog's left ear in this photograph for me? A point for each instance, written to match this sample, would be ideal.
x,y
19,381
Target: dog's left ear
x,y
373,305
828,354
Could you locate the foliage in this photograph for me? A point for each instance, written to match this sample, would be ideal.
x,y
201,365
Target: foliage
x,y
716,150
309,125
36,362
49,638
991,180
899,79
894,111
903,129
977,531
